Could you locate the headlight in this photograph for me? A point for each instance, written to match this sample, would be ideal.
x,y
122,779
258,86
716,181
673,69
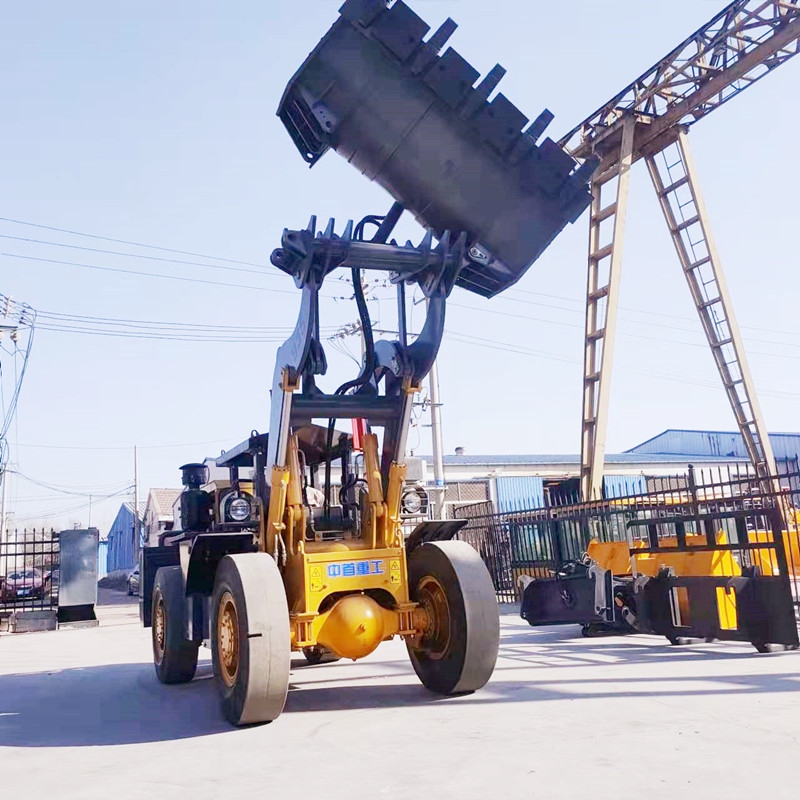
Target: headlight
x,y
239,509
411,502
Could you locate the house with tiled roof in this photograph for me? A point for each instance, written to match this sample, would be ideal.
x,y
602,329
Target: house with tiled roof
x,y
158,514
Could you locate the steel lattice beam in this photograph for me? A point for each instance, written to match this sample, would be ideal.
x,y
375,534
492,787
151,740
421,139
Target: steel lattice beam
x,y
741,44
745,41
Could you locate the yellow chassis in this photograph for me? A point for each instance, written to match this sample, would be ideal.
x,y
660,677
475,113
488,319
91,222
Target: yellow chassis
x,y
350,594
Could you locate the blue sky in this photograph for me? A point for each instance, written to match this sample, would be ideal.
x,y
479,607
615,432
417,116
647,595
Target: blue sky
x,y
155,123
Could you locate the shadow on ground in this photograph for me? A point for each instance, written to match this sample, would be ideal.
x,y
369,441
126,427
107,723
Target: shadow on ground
x,y
125,704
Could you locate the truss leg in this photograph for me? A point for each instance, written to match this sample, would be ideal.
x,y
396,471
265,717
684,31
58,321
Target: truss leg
x,y
673,174
602,295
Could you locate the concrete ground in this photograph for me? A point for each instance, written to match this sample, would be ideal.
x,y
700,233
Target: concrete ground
x,y
563,717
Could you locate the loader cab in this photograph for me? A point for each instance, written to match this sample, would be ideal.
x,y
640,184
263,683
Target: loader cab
x,y
229,493
332,480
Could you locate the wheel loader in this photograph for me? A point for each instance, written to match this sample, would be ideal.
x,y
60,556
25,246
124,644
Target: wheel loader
x,y
295,542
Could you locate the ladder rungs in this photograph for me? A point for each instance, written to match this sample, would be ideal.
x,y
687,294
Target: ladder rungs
x,y
599,294
731,384
722,342
602,253
708,303
595,335
673,186
592,377
699,263
604,213
686,224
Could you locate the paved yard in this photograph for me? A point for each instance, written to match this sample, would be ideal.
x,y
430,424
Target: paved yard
x,y
564,717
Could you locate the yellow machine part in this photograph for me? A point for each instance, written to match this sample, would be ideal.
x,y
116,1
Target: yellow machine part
x,y
355,626
350,593
331,583
720,563
615,556
766,559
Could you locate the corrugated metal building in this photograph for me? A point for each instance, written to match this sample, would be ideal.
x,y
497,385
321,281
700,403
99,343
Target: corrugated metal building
x,y
519,492
720,444
123,550
519,482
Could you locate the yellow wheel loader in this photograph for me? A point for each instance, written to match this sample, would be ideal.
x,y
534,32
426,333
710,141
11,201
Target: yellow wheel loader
x,y
292,541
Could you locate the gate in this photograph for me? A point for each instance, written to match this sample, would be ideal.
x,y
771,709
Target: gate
x,y
29,572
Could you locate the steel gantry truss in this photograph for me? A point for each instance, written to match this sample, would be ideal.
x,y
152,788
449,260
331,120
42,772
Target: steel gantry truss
x,y
649,120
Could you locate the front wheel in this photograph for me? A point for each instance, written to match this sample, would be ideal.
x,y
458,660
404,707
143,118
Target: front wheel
x,y
457,650
250,638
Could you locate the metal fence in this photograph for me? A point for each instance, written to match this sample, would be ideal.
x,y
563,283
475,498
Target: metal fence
x,y
29,571
699,504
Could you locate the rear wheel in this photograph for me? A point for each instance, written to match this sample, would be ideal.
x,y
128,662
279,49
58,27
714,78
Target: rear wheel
x,y
457,650
316,654
174,658
250,638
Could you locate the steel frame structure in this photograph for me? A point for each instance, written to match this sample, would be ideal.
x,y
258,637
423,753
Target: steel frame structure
x,y
649,120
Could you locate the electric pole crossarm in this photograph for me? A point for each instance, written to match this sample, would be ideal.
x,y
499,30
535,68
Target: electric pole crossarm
x,y
741,44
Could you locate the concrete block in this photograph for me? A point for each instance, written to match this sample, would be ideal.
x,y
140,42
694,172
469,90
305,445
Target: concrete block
x,y
31,621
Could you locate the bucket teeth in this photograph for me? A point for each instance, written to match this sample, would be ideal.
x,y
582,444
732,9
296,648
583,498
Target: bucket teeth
x,y
312,224
427,241
329,229
348,231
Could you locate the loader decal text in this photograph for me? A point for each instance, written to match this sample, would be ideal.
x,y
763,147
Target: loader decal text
x,y
352,569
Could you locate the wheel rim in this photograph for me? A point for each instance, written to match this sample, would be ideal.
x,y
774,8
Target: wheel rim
x,y
432,599
228,639
159,631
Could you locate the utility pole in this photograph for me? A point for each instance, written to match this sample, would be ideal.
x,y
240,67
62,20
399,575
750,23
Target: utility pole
x,y
436,440
90,512
4,478
136,500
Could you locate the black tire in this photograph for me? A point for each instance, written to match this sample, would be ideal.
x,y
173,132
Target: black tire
x,y
174,658
250,638
316,654
458,654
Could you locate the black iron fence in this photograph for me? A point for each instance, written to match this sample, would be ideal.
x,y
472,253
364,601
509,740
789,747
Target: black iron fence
x,y
29,571
678,510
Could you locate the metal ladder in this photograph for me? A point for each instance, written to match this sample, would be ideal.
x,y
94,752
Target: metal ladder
x,y
673,174
602,297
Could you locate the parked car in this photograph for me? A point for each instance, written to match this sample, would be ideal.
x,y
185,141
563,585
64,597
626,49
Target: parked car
x,y
25,583
133,581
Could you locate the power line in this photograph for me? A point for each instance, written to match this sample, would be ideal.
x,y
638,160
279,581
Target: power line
x,y
125,447
124,241
521,350
659,339
273,274
83,265
228,260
